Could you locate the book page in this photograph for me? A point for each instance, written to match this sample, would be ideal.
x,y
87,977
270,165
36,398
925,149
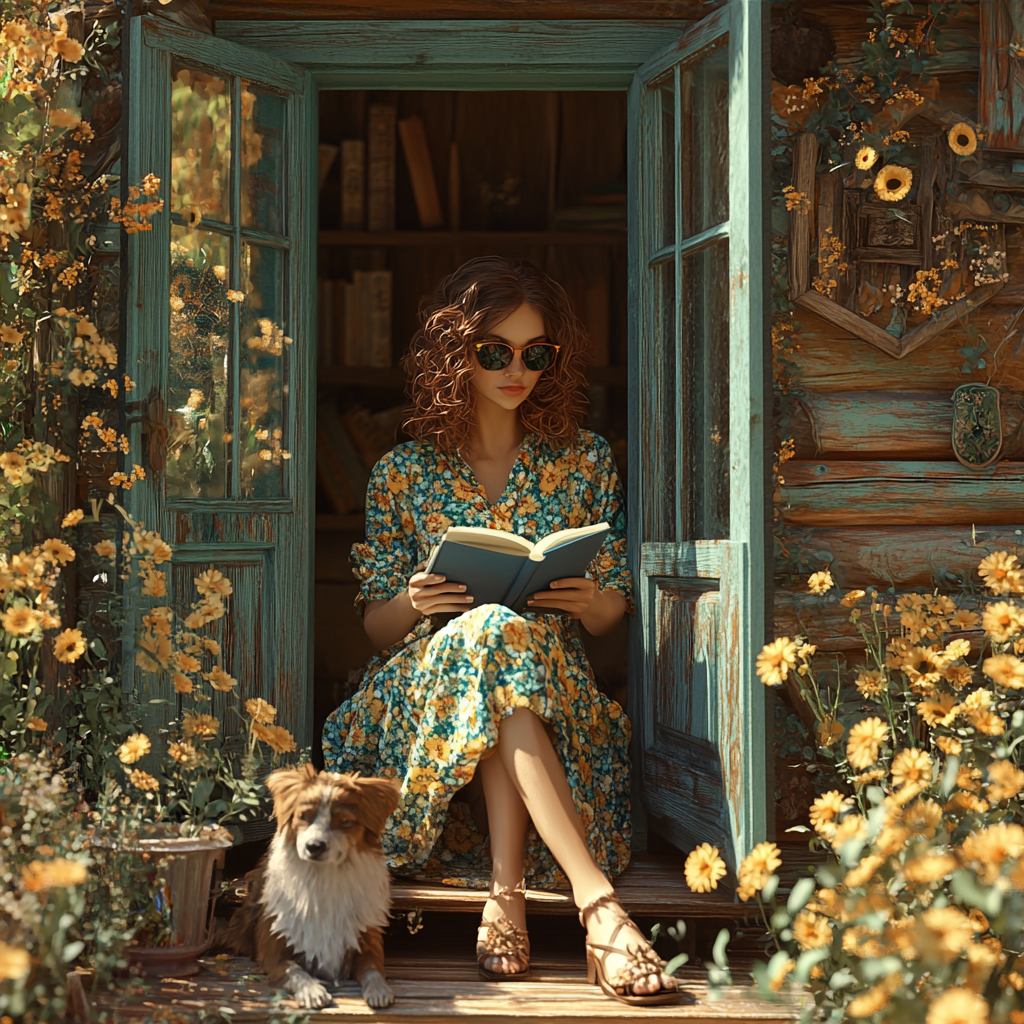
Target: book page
x,y
560,537
490,540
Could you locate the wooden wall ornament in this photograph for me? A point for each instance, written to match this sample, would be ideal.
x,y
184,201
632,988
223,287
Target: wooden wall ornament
x,y
838,214
977,433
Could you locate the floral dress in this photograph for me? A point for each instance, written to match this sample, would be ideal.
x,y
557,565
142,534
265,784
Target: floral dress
x,y
430,706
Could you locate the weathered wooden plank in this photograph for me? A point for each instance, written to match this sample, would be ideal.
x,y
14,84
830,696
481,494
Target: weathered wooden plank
x,y
702,558
897,493
801,228
908,424
925,332
903,557
1000,90
845,319
420,10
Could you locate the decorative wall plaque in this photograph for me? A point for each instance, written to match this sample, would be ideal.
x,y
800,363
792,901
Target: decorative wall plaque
x,y
977,434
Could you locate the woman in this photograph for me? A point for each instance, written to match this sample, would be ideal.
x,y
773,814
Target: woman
x,y
496,381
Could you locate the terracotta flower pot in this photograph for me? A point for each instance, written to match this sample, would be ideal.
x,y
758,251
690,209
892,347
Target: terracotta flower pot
x,y
186,864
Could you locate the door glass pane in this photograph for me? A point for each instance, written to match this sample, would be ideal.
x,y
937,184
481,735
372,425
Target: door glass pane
x,y
200,145
665,229
198,381
262,446
659,442
263,125
705,322
704,143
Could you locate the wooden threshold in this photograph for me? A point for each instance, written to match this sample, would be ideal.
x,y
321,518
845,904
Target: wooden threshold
x,y
650,887
440,990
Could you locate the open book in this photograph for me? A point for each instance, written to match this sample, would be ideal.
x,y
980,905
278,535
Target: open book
x,y
502,568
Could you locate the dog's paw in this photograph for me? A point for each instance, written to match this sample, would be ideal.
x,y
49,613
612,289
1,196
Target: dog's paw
x,y
309,993
376,991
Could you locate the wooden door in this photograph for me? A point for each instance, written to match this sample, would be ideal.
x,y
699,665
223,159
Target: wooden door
x,y
697,408
220,341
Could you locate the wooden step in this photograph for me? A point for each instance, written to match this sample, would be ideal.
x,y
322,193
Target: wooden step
x,y
441,991
651,886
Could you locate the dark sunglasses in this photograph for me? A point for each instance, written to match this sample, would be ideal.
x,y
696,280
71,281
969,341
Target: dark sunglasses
x,y
496,355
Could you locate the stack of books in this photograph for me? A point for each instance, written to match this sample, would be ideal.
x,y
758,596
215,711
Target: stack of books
x,y
354,320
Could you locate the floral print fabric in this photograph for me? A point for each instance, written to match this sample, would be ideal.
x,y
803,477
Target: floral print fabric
x,y
430,707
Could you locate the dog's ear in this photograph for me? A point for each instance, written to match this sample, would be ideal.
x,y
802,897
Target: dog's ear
x,y
285,785
378,798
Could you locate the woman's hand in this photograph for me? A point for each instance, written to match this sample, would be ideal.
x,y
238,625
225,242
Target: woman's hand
x,y
572,595
599,611
431,594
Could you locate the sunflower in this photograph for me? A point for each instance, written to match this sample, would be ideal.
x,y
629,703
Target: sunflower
x,y
1001,621
866,158
825,812
56,551
1001,572
143,780
911,768
893,182
1006,670
15,962
775,661
964,619
922,817
704,867
260,711
820,582
870,682
938,712
69,646
811,930
20,620
1005,781
762,861
279,739
865,739
135,747
962,139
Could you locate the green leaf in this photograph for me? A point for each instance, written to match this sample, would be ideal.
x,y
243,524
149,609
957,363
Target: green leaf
x,y
201,793
872,970
966,887
807,960
800,894
675,963
718,953
72,950
770,888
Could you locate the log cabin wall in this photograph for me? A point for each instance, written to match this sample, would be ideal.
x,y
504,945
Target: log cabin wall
x,y
873,489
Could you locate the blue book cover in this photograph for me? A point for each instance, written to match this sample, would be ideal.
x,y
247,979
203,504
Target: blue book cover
x,y
502,568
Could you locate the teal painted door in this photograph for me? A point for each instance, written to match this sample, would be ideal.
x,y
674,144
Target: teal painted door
x,y
220,343
697,407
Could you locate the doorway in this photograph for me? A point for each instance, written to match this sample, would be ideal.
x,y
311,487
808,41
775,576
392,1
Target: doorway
x,y
412,184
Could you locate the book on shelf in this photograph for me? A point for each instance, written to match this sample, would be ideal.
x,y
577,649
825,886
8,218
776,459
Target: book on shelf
x,y
421,172
380,168
353,184
340,471
502,568
378,284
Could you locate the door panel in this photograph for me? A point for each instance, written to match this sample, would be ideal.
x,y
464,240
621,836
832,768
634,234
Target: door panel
x,y
219,336
697,408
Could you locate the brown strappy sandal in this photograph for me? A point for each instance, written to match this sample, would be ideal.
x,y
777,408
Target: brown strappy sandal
x,y
500,937
641,962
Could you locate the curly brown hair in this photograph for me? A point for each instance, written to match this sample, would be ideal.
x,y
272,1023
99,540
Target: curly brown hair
x,y
465,305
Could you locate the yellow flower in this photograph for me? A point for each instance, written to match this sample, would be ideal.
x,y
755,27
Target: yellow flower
x,y
36,724
864,871
184,753
55,550
1005,670
911,767
949,931
59,873
963,141
870,682
820,582
182,683
985,851
219,679
143,780
105,549
1001,572
938,712
811,930
866,777
923,669
775,661
957,649
73,518
1001,621
703,868
893,182
260,711
922,817
853,826
213,582
21,620
865,943
866,158
988,722
199,725
929,867
851,598
15,962
865,739
135,747
876,998
69,646
825,812
949,745
764,860
963,619
958,676
279,739
1005,781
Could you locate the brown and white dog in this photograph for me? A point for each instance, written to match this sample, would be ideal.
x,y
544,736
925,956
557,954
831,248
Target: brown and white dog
x,y
321,895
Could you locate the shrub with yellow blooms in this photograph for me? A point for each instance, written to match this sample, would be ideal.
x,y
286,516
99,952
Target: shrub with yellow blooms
x,y
917,913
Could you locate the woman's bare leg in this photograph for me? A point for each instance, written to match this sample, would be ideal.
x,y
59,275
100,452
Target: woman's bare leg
x,y
538,775
507,821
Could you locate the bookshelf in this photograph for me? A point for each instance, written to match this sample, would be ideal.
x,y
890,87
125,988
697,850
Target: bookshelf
x,y
469,239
